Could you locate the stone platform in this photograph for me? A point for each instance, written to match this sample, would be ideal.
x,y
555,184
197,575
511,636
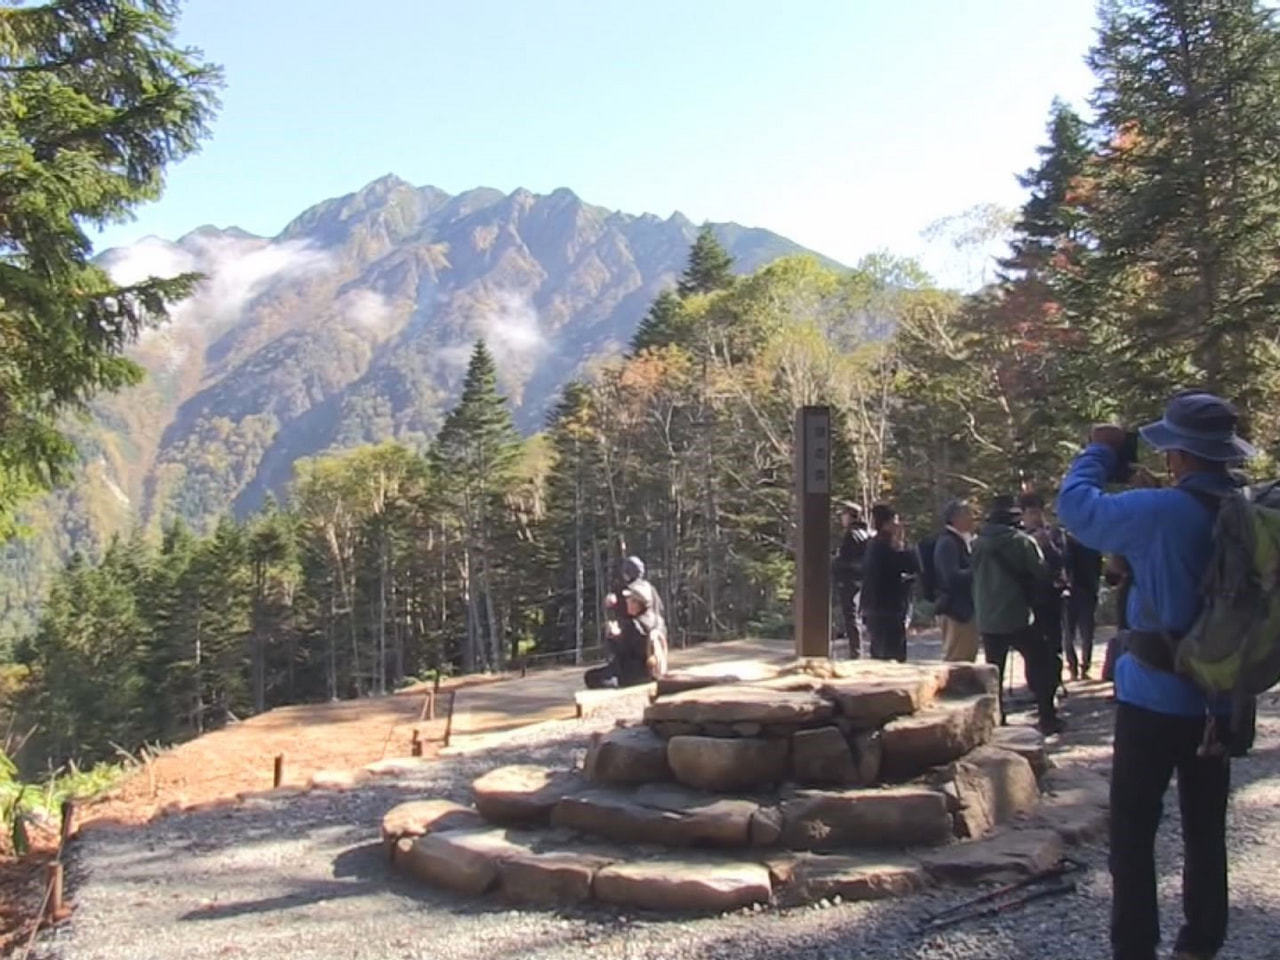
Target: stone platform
x,y
806,781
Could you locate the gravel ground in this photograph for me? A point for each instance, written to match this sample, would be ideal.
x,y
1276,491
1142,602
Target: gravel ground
x,y
307,879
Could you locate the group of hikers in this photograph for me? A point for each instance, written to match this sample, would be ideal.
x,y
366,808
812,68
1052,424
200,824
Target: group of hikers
x,y
1014,582
1019,581
1191,600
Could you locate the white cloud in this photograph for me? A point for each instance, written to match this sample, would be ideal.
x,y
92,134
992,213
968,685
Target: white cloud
x,y
511,329
236,270
365,308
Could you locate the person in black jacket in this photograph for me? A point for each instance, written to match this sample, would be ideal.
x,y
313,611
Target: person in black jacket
x,y
846,571
888,569
953,569
1048,602
1084,575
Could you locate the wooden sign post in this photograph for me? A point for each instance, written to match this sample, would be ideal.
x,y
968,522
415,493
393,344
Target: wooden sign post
x,y
813,531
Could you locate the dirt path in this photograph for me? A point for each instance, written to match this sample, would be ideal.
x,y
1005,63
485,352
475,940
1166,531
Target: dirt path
x,y
307,879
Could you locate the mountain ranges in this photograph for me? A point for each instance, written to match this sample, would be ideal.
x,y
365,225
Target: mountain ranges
x,y
352,326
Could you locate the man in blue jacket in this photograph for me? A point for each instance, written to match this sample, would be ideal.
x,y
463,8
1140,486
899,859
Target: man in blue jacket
x,y
1162,719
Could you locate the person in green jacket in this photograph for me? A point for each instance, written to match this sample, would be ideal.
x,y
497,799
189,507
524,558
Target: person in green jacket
x,y
1008,572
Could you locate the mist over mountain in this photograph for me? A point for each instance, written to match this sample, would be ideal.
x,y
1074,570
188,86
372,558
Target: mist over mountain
x,y
352,326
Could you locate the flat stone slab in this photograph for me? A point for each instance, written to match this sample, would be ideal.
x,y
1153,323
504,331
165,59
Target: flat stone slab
x,y
674,682
627,755
1026,742
740,703
936,736
870,703
463,861
994,786
967,679
1001,858
549,879
668,816
907,816
399,767
1075,804
806,877
724,765
683,886
417,818
522,795
338,779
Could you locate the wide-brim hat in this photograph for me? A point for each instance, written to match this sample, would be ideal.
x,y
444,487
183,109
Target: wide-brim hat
x,y
1202,425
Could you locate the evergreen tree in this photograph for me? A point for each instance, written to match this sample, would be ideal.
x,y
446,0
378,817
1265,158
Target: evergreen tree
x,y
1186,214
710,266
665,324
1050,222
474,456
95,102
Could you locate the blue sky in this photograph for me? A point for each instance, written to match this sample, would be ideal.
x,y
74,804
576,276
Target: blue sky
x,y
847,125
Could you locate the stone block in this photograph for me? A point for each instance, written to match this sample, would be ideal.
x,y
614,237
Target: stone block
x,y
936,736
673,683
419,817
1026,742
684,886
668,816
549,879
766,827
993,787
400,767
740,703
463,861
628,755
870,703
522,795
1000,858
822,756
806,877
725,765
968,679
868,754
887,817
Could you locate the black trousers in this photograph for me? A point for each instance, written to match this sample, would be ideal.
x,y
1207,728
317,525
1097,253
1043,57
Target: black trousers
x,y
1081,621
1043,672
888,633
847,593
1149,747
1049,624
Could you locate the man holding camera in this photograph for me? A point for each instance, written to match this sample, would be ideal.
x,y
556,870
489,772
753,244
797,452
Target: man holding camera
x,y
1164,722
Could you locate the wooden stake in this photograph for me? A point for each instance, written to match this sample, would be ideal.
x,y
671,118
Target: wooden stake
x,y
448,724
277,777
415,745
68,821
54,872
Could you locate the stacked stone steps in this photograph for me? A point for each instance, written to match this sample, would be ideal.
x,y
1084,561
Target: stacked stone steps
x,y
857,780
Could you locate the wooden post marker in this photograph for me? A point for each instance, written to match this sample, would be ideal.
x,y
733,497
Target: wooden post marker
x,y
54,909
277,775
813,531
415,745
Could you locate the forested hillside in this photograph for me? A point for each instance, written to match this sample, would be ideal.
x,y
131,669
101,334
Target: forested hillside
x,y
1143,260
353,326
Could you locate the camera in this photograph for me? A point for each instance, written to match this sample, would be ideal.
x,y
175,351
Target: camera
x,y
1127,456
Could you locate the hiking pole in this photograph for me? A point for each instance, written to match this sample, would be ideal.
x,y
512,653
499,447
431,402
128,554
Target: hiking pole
x,y
995,909
1052,873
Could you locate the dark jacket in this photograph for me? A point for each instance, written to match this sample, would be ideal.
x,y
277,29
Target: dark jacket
x,y
1084,568
1053,547
886,579
1008,570
953,568
847,565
